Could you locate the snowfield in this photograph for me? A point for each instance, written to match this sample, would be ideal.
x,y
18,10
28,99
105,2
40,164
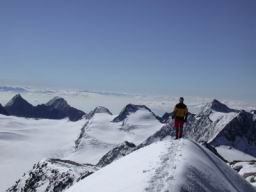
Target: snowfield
x,y
169,165
101,134
24,142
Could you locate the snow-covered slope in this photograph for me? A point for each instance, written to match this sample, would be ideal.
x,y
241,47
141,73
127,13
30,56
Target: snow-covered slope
x,y
169,165
24,142
100,134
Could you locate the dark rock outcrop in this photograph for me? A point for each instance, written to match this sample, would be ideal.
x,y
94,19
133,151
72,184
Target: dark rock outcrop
x,y
239,133
166,117
19,107
166,130
52,175
61,105
3,111
116,153
56,108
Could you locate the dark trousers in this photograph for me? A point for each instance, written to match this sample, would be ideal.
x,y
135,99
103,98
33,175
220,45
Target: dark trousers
x,y
179,128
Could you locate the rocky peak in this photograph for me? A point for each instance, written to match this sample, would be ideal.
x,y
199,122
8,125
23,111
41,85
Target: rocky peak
x,y
130,108
101,109
220,107
58,103
17,100
217,106
98,109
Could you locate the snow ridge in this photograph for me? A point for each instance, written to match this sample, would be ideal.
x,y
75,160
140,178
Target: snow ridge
x,y
164,176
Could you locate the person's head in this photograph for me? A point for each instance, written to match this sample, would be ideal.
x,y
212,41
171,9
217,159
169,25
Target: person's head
x,y
181,99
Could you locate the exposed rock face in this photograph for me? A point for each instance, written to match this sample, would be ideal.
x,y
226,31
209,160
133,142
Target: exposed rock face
x,y
166,130
239,133
220,107
52,175
61,104
3,111
166,117
203,127
116,153
18,106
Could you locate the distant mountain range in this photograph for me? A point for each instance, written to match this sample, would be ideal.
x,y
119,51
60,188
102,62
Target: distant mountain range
x,y
57,108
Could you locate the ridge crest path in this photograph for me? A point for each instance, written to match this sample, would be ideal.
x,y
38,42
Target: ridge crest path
x,y
164,178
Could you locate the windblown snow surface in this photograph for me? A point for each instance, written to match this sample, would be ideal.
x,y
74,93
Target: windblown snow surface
x,y
166,166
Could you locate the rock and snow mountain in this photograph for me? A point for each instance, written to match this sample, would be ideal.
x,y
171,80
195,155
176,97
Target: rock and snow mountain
x,y
101,133
221,126
167,165
98,109
131,108
239,133
52,175
57,108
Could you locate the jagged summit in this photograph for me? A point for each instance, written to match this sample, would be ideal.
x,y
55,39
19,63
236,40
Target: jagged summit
x,y
19,107
58,103
131,108
220,107
62,105
217,106
17,100
56,108
99,109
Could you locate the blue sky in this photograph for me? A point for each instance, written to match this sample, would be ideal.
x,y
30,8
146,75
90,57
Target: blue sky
x,y
170,47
